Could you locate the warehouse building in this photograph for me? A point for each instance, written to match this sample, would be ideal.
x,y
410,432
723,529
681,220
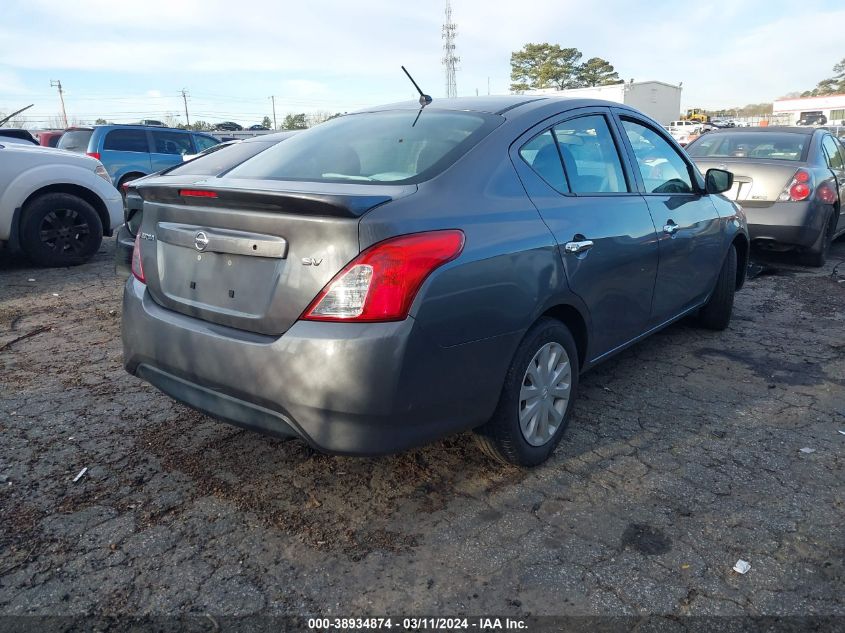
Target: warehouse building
x,y
827,110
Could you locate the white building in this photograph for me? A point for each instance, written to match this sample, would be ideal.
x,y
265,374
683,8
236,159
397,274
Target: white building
x,y
659,100
831,107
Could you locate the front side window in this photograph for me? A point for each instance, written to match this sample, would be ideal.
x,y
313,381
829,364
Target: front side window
x,y
833,153
395,146
542,156
126,141
589,156
172,143
661,167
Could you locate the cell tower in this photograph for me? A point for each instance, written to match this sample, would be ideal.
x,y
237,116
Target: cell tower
x,y
450,61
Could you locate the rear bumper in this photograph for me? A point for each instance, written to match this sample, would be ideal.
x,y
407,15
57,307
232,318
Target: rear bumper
x,y
793,224
347,388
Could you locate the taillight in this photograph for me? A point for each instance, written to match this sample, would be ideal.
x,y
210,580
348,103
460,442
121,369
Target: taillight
x,y
197,193
381,283
826,193
94,155
137,266
799,188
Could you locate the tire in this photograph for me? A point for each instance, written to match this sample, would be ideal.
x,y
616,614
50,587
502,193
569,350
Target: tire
x,y
816,256
60,229
124,180
716,313
502,438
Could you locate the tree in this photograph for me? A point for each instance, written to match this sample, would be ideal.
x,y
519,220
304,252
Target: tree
x,y
831,85
100,121
597,72
545,66
266,122
294,122
321,116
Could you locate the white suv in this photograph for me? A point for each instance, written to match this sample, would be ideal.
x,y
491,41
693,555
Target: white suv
x,y
55,206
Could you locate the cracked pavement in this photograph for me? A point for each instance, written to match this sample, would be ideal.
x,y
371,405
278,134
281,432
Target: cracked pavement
x,y
682,456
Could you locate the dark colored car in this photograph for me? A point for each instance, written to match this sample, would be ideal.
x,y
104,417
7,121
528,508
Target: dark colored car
x,y
18,133
129,152
225,157
258,127
393,276
789,180
229,126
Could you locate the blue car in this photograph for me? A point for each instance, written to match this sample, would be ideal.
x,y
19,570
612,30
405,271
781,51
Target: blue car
x,y
132,151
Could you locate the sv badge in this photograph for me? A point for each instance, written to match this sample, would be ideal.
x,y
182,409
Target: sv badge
x,y
312,261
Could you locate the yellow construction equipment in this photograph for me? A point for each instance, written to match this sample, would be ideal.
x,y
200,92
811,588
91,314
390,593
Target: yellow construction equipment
x,y
696,114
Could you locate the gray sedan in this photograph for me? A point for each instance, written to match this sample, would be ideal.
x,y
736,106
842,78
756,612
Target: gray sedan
x,y
789,180
396,275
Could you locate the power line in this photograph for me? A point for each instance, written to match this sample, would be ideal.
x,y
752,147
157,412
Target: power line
x,y
450,60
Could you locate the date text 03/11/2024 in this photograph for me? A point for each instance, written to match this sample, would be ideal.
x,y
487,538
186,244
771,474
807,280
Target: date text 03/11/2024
x,y
417,624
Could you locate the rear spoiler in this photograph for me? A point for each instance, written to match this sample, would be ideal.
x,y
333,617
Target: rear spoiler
x,y
296,202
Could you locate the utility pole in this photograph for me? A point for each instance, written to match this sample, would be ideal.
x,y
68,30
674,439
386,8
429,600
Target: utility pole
x,y
450,61
56,83
185,100
488,85
273,99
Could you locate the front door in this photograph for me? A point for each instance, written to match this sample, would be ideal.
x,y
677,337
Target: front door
x,y
604,232
689,230
835,157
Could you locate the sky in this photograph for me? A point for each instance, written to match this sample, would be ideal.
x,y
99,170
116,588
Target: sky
x,y
125,61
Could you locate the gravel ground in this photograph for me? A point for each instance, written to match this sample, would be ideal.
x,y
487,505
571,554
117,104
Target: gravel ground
x,y
683,455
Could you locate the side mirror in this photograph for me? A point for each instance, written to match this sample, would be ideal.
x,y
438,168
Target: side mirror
x,y
718,181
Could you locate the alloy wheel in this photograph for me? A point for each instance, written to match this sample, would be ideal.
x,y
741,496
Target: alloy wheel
x,y
65,231
544,394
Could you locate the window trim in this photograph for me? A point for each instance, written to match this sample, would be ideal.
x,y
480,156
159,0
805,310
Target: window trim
x,y
696,178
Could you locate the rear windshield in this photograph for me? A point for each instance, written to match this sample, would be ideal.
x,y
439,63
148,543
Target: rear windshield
x,y
220,160
397,146
75,140
762,145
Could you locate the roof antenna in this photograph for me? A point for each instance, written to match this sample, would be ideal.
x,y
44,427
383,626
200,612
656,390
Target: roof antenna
x,y
424,98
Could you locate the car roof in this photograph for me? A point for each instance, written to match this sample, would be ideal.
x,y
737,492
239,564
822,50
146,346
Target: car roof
x,y
269,138
491,104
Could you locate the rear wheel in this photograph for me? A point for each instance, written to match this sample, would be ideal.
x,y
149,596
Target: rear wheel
x,y
716,313
816,256
536,399
60,229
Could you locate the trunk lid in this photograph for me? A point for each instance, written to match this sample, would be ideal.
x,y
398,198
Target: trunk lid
x,y
257,254
755,181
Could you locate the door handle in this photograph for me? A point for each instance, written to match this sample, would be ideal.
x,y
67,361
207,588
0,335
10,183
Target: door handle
x,y
578,247
670,228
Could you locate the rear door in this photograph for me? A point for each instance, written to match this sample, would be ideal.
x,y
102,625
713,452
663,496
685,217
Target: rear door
x,y
125,151
689,231
835,157
603,228
168,148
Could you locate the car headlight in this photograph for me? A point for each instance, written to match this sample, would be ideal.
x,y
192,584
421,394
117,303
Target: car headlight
x,y
102,173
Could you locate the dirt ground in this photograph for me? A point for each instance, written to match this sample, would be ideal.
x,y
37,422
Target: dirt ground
x,y
684,455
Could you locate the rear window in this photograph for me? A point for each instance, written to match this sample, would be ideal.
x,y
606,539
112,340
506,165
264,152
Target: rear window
x,y
126,141
220,160
397,146
75,140
760,145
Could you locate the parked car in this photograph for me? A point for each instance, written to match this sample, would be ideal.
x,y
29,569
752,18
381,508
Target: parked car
x,y
789,180
229,126
225,157
683,131
17,135
258,127
132,151
49,138
812,118
55,206
209,150
389,277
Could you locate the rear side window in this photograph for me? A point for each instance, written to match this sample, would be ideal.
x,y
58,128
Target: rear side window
x,y
204,142
542,155
126,141
589,156
172,143
833,152
221,160
396,146
75,140
661,167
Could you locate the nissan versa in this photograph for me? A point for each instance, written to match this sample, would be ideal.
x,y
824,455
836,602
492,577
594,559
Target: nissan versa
x,y
393,276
